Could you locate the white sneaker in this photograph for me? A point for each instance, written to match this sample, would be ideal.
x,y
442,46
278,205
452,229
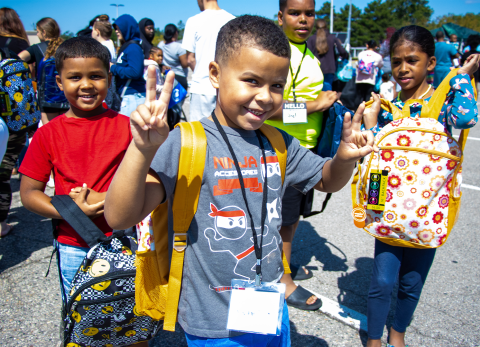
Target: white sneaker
x,y
51,183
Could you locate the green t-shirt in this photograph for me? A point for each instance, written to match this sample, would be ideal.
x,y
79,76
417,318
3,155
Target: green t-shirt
x,y
308,85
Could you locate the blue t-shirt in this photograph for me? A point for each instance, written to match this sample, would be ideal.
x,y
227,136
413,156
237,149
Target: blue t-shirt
x,y
444,53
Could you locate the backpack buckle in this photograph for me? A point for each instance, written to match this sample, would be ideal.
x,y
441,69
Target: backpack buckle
x,y
180,242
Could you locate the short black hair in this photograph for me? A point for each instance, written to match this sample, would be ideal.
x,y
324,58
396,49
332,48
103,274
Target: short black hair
x,y
82,47
283,3
155,49
439,34
250,31
416,35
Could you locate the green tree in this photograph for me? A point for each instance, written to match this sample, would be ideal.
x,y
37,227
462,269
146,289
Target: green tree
x,y
67,35
181,29
341,23
469,20
157,37
409,12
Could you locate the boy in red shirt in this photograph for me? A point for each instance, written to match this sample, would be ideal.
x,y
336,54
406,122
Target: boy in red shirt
x,y
83,147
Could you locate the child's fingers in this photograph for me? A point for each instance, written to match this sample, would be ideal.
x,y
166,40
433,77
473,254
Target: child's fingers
x,y
151,86
83,194
358,116
136,119
167,89
369,138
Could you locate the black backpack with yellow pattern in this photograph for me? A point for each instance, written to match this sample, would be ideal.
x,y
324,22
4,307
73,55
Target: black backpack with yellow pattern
x,y
101,309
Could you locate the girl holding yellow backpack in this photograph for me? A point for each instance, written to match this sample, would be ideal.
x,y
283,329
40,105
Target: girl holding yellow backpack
x,y
419,179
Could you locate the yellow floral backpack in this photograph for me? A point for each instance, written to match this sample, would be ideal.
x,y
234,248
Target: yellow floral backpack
x,y
160,264
408,194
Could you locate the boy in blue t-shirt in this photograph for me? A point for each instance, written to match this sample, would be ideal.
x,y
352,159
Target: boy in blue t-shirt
x,y
249,72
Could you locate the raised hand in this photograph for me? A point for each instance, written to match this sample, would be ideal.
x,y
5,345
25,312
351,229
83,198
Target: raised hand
x,y
470,66
370,115
355,143
149,121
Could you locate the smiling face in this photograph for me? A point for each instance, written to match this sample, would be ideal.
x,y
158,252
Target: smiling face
x,y
85,82
250,87
157,56
410,65
297,19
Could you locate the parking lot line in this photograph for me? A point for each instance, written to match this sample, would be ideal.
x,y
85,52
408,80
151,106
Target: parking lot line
x,y
468,186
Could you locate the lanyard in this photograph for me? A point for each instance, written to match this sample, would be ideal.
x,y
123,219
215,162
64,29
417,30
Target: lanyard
x,y
258,248
296,75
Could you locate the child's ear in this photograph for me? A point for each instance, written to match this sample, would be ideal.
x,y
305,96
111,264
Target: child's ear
x,y
280,18
59,82
432,62
214,72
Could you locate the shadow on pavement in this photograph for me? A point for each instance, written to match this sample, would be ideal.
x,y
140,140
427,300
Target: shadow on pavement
x,y
30,233
301,340
354,286
307,243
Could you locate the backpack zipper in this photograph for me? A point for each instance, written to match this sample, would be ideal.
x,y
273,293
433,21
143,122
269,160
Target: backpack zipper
x,y
112,275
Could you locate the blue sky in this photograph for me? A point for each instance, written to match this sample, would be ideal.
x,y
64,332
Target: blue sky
x,y
75,15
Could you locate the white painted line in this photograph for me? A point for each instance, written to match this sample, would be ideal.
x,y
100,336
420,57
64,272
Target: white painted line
x,y
468,186
469,138
342,313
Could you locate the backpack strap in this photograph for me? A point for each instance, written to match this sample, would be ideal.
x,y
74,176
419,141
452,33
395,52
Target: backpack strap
x,y
187,192
277,141
389,107
78,220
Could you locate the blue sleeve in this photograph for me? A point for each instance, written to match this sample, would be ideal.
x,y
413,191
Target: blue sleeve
x,y
453,50
384,118
132,64
460,109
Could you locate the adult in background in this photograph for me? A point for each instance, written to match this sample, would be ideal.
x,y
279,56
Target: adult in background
x,y
48,33
199,41
322,45
472,41
174,55
13,33
385,50
444,53
147,33
102,32
128,70
369,61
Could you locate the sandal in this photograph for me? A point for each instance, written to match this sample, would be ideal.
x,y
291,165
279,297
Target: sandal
x,y
389,345
6,231
300,275
299,297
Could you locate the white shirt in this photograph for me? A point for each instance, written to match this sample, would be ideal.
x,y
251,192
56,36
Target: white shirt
x,y
200,37
386,89
111,48
369,56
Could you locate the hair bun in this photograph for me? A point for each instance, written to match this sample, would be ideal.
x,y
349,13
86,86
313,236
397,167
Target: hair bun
x,y
103,18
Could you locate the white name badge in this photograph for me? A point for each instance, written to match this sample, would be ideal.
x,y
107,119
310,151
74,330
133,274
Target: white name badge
x,y
256,309
294,113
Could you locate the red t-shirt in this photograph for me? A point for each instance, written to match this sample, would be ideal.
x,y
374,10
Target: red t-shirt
x,y
79,150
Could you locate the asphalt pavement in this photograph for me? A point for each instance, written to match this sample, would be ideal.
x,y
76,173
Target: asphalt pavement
x,y
340,256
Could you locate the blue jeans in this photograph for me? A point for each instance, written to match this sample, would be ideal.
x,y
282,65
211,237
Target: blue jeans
x,y
411,265
251,340
69,259
130,103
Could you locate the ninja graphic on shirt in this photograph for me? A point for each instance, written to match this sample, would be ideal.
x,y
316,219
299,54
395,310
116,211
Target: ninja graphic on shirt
x,y
231,231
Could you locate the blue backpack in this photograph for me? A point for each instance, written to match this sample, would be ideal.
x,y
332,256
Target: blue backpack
x,y
18,105
49,95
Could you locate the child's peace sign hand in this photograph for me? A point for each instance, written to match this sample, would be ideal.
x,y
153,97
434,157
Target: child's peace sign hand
x,y
149,121
355,143
470,66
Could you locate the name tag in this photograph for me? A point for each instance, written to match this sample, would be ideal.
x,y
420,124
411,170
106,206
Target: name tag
x,y
256,309
294,113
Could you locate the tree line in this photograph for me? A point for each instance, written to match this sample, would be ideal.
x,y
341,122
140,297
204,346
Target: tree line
x,y
371,22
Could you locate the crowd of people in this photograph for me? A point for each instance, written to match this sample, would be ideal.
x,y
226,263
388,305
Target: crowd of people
x,y
119,161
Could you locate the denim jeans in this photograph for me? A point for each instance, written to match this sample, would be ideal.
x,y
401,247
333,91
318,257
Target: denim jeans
x,y
411,266
251,340
69,259
130,103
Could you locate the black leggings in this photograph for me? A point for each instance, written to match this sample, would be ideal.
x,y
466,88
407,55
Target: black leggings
x,y
15,144
182,80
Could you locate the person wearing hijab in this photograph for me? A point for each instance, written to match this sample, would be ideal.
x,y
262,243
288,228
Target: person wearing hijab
x,y
147,33
128,71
